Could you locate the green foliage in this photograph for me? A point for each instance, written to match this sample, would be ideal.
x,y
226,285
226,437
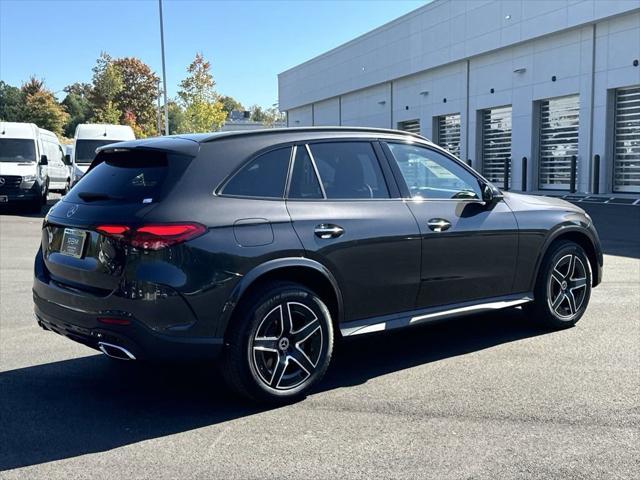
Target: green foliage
x,y
229,104
77,105
203,111
107,84
11,103
41,107
267,116
177,118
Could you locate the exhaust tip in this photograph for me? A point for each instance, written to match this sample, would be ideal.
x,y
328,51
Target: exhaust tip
x,y
115,351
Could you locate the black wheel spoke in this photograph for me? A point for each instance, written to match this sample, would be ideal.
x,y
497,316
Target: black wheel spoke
x,y
279,370
299,357
558,301
305,332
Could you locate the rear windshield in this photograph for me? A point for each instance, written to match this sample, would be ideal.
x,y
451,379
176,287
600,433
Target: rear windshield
x,y
17,150
86,149
129,176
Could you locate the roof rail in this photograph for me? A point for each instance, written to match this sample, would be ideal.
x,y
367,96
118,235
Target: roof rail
x,y
265,131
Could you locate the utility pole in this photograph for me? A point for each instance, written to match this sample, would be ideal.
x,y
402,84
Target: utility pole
x,y
158,114
164,73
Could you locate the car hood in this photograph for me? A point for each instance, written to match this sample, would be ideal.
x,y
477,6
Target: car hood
x,y
19,169
519,201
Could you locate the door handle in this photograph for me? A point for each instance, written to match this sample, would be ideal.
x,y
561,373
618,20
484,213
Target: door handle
x,y
328,230
439,224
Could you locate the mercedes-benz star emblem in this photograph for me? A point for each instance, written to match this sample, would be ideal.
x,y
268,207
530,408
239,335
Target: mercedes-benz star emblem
x,y
72,211
2,181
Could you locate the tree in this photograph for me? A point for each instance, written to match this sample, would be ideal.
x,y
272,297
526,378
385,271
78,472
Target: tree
x,y
203,109
11,103
267,116
139,92
177,118
41,107
77,105
229,104
107,84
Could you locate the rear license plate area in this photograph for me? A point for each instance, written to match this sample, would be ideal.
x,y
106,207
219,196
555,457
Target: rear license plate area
x,y
73,242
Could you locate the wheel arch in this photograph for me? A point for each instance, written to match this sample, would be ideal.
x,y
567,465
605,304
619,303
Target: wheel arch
x,y
577,235
304,271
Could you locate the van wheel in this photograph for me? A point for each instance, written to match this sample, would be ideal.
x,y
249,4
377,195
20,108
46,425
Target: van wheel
x,y
67,187
563,287
279,345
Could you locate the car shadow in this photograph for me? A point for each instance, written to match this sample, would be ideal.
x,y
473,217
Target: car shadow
x,y
24,211
91,404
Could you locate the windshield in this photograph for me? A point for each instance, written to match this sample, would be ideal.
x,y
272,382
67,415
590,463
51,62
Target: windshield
x,y
86,149
17,150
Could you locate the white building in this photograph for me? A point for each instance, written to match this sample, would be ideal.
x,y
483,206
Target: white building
x,y
494,79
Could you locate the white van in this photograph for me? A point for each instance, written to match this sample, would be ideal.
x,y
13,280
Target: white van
x,y
31,163
90,136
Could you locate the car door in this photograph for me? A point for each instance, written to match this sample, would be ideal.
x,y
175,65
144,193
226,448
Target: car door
x,y
469,248
354,223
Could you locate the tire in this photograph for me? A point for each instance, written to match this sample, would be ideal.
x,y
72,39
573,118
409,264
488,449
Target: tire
x,y
67,187
563,287
269,358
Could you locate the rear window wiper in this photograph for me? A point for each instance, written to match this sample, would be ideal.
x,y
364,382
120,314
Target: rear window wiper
x,y
94,196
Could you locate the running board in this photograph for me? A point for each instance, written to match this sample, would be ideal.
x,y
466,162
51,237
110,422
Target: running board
x,y
406,319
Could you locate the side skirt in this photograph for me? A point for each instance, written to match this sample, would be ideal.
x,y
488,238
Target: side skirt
x,y
414,317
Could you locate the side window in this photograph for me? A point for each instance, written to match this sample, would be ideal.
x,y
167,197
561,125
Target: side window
x,y
430,174
304,181
264,176
349,170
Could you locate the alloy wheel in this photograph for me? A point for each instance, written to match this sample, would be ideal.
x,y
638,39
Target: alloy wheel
x,y
287,346
567,286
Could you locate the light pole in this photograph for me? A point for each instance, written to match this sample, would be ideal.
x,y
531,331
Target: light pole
x,y
164,73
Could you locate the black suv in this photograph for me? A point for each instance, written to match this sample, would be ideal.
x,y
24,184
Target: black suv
x,y
263,247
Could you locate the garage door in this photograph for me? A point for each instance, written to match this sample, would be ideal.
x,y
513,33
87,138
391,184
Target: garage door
x,y
559,123
412,126
496,142
626,170
449,133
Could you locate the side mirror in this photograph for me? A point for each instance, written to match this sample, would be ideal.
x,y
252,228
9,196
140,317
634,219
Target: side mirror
x,y
44,160
67,159
490,194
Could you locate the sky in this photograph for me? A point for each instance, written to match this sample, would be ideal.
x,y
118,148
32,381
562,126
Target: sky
x,y
247,42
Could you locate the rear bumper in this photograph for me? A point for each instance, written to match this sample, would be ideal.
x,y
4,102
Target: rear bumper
x,y
76,315
143,343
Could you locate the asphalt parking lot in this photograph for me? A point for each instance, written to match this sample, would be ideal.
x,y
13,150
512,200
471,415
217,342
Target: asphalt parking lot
x,y
489,396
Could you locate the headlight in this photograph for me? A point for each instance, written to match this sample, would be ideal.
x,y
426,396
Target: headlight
x,y
27,181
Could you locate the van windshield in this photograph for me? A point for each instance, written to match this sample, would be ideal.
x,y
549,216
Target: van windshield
x,y
86,149
17,150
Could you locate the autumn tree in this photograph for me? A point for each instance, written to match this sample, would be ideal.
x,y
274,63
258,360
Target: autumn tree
x,y
41,107
203,110
139,92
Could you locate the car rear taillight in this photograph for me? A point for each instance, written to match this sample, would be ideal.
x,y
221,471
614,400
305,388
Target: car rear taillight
x,y
153,237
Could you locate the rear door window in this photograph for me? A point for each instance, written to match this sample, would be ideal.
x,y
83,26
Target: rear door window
x,y
265,176
130,176
349,170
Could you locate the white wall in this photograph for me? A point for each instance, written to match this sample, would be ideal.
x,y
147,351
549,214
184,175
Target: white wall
x,y
568,55
442,32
